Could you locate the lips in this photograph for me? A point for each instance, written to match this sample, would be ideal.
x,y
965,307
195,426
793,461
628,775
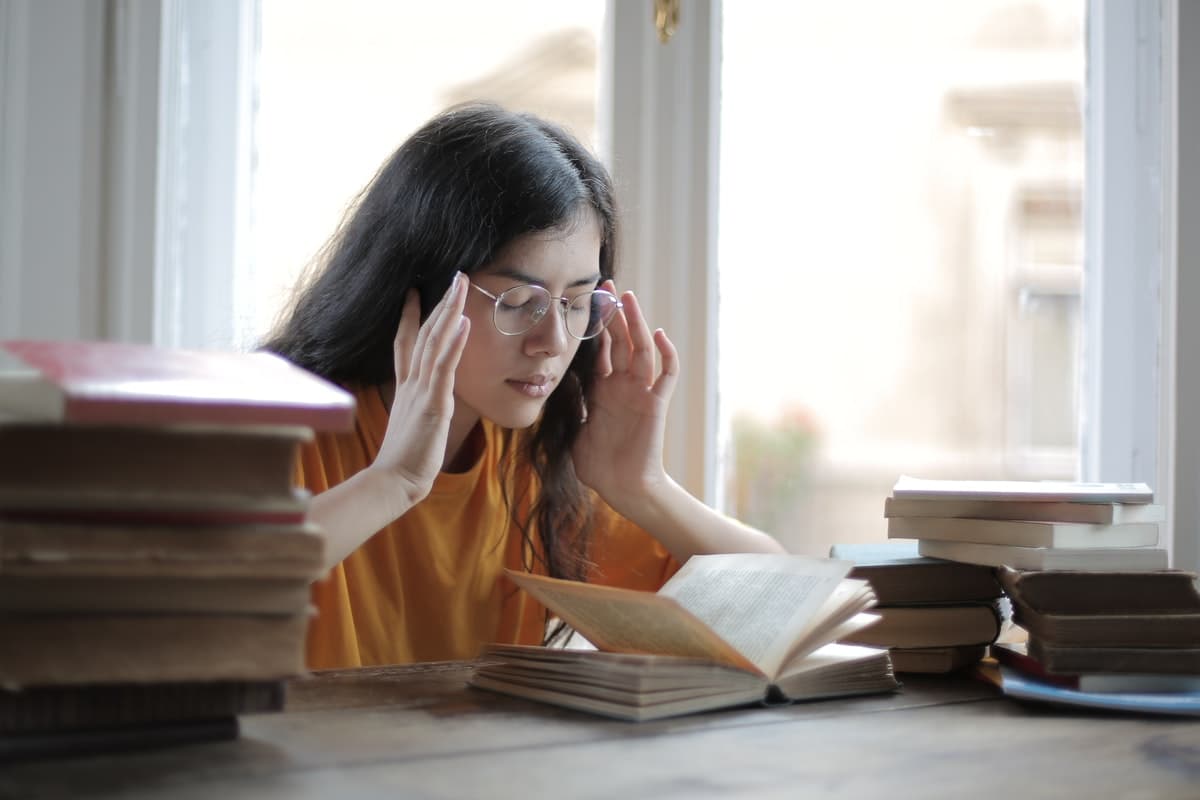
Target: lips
x,y
532,385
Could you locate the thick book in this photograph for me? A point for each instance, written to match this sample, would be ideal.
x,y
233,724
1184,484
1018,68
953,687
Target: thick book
x,y
1024,533
1048,558
936,660
1078,659
196,473
900,575
25,747
1035,510
84,648
100,705
107,594
1110,630
1022,491
55,549
726,630
134,384
1103,592
940,625
1014,655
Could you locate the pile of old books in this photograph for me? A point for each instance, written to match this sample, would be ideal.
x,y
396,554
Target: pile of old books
x,y
1105,638
934,615
155,561
1030,524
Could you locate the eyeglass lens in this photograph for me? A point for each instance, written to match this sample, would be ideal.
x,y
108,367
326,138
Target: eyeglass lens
x,y
520,308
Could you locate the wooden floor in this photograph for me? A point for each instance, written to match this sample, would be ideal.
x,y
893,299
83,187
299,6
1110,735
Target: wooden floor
x,y
419,732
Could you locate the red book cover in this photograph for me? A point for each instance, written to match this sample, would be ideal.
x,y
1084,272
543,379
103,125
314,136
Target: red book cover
x,y
135,384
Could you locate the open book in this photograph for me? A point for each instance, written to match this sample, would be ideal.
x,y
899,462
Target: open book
x,y
726,630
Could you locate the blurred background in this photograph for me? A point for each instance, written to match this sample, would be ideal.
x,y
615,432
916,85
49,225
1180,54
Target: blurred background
x,y
900,239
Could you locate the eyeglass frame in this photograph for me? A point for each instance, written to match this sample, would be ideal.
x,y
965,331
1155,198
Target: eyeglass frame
x,y
562,301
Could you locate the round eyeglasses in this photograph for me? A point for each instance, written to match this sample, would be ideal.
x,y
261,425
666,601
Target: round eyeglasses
x,y
522,307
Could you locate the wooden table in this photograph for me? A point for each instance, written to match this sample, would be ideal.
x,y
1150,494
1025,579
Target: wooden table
x,y
420,732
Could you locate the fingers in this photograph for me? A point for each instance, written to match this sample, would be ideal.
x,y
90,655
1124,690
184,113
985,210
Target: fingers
x,y
443,333
633,346
664,387
604,365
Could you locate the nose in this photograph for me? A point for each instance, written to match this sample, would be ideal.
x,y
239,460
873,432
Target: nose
x,y
548,336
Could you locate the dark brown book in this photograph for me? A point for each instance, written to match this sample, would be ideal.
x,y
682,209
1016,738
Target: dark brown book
x,y
1145,629
900,576
88,707
1069,660
942,625
936,660
55,549
24,747
73,471
82,648
59,594
1103,592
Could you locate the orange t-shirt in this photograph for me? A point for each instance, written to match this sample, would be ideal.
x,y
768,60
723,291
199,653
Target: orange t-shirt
x,y
430,586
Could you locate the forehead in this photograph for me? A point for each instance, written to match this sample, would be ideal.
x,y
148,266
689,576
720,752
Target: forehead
x,y
566,253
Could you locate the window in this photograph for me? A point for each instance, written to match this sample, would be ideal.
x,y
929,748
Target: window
x,y
901,253
341,85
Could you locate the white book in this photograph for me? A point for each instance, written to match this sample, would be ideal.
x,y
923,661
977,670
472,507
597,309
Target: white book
x,y
1076,491
1035,510
1131,559
1024,533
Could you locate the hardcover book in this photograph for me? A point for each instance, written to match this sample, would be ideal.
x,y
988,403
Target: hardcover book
x,y
900,575
183,473
1104,592
726,630
936,660
1014,655
941,625
1048,558
132,384
1043,511
1022,491
1023,533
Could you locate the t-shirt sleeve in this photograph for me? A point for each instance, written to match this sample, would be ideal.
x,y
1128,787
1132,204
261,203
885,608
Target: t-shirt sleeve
x,y
625,555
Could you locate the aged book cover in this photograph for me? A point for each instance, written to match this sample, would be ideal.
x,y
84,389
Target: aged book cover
x,y
82,648
1022,491
1035,510
900,575
134,384
940,625
1024,533
726,630
1015,656
936,660
1048,558
68,470
1103,592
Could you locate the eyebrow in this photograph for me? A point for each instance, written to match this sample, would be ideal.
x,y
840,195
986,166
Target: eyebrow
x,y
524,277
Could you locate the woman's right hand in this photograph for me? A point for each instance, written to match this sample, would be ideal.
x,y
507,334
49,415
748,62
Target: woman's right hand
x,y
425,359
414,445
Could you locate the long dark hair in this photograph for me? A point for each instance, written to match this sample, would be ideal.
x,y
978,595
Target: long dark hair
x,y
466,184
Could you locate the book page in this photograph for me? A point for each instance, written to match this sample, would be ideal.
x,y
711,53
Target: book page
x,y
628,621
760,604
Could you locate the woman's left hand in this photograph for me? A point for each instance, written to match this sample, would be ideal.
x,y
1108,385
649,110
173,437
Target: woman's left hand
x,y
619,451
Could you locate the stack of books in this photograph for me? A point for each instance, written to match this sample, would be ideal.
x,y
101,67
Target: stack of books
x,y
155,560
935,616
1106,631
1037,525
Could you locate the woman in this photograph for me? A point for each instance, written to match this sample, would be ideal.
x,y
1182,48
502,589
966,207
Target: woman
x,y
510,410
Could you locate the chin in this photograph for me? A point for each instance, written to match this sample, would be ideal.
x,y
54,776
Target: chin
x,y
515,418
